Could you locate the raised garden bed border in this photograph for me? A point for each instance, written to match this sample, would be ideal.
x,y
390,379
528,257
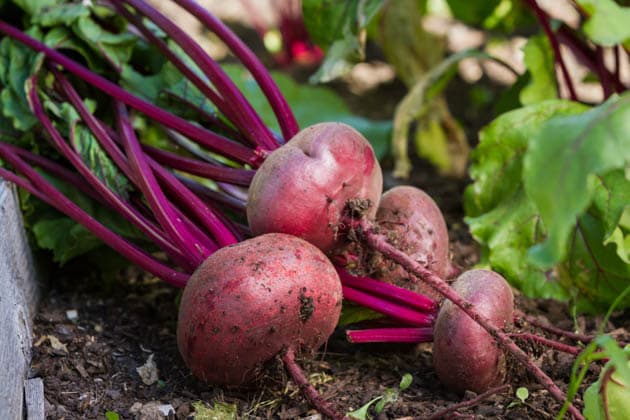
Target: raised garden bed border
x,y
18,299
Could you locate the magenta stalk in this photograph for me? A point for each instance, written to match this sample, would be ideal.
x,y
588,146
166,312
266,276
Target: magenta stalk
x,y
390,335
203,169
400,313
195,79
161,207
284,115
390,291
520,316
565,348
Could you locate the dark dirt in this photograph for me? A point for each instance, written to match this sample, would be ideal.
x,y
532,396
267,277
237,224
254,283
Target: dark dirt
x,y
93,368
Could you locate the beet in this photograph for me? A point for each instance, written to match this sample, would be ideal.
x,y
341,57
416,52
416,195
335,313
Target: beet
x,y
414,224
465,356
248,302
303,187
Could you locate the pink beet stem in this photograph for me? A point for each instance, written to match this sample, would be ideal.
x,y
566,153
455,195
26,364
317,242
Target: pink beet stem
x,y
565,348
404,314
386,290
391,335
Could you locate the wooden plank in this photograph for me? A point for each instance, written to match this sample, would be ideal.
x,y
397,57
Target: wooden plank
x,y
34,399
18,297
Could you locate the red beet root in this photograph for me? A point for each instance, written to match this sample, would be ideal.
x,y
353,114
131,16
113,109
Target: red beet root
x,y
303,187
248,302
465,356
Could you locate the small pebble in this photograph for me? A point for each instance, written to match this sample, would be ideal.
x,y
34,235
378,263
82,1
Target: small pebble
x,y
72,314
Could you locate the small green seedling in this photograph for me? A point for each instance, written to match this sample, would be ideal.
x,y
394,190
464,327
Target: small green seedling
x,y
111,415
522,394
389,396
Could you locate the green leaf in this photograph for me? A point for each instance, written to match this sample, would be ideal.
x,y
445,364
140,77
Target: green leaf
x,y
34,7
522,393
352,314
362,412
329,20
339,60
502,145
339,28
593,272
609,396
389,396
65,237
506,233
17,64
91,151
538,57
405,381
115,48
311,105
563,158
593,409
508,222
472,12
622,241
608,22
500,215
61,14
611,201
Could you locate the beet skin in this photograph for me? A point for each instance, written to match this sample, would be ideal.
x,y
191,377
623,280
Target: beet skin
x,y
248,302
302,188
465,356
415,225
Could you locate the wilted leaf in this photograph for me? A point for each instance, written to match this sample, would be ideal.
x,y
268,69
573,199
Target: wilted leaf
x,y
57,345
148,371
418,102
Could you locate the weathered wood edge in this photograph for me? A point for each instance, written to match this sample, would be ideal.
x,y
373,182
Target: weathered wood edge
x,y
34,399
19,292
